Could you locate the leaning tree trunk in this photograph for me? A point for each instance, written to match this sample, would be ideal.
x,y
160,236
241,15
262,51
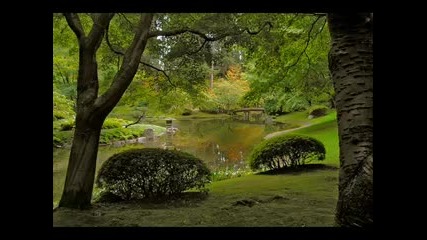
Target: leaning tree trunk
x,y
350,63
93,109
80,176
81,168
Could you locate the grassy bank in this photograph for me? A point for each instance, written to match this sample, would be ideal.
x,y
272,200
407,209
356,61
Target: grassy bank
x,y
306,198
300,199
323,128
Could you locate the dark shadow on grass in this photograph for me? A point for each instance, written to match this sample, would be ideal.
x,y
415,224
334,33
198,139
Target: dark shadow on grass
x,y
186,199
298,170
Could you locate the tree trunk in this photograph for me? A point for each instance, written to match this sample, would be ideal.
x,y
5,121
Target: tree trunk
x,y
81,168
91,109
80,177
351,63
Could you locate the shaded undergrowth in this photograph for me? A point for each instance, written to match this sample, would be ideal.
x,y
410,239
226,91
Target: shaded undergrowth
x,y
298,169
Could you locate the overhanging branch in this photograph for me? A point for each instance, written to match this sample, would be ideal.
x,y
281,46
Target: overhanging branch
x,y
110,46
306,44
200,48
206,35
160,70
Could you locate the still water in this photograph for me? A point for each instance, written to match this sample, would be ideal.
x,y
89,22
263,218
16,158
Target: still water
x,y
221,143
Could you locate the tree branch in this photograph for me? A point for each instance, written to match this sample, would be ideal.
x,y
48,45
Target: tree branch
x,y
110,46
200,48
205,35
131,59
306,45
100,23
73,21
137,121
291,21
269,24
127,20
160,70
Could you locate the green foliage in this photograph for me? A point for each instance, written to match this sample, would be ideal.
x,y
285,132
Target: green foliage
x,y
110,135
61,135
317,110
63,124
114,123
152,173
127,112
226,94
285,73
60,138
62,107
228,173
286,151
134,131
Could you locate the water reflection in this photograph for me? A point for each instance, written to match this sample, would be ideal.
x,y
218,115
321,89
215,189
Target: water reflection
x,y
221,143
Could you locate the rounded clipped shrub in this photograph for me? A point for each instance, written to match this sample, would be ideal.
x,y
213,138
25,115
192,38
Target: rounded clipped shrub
x,y
152,173
286,151
317,111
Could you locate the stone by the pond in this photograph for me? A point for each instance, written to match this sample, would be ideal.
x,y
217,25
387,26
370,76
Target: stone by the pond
x,y
149,134
119,143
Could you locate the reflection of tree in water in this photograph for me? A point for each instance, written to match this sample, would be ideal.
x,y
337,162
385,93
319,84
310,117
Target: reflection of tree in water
x,y
220,143
231,157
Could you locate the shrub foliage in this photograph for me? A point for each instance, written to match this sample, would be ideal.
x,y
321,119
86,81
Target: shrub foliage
x,y
286,151
152,173
62,107
110,123
317,111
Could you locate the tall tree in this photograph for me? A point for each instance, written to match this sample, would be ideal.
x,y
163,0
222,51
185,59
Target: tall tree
x,y
91,109
350,63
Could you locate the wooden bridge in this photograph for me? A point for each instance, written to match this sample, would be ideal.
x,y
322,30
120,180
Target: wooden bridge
x,y
247,112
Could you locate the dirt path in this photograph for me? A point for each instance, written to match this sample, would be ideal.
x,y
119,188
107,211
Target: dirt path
x,y
268,136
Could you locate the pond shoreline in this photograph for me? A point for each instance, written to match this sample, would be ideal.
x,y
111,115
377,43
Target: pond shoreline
x,y
274,134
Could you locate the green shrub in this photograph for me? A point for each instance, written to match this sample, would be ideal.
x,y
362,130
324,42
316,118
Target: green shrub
x,y
133,131
57,142
317,111
286,151
110,123
63,124
187,112
60,138
62,107
151,173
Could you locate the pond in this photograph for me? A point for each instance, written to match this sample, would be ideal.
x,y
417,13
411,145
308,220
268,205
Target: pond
x,y
221,143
